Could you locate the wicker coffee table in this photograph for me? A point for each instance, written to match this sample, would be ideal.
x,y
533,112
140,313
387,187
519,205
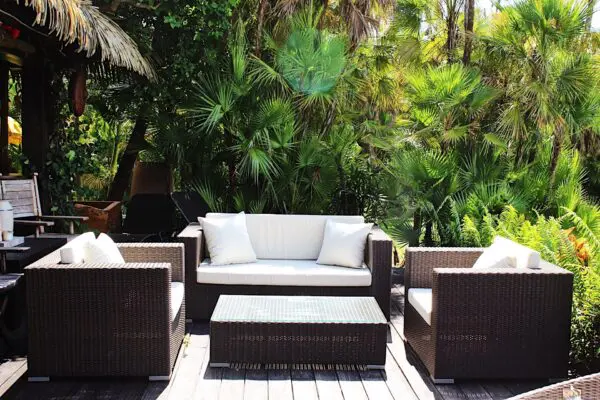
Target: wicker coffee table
x,y
288,330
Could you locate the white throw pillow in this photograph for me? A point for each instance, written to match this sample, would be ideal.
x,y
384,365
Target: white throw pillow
x,y
522,256
344,244
494,256
227,240
74,251
103,250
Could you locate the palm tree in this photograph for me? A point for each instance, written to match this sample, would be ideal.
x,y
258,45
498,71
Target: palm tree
x,y
551,82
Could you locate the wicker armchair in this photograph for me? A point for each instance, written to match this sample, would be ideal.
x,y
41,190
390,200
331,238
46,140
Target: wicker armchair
x,y
106,319
488,323
589,386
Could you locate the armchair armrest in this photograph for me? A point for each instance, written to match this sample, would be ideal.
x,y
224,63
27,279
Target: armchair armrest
x,y
420,262
506,313
31,222
193,241
81,309
379,259
65,217
172,253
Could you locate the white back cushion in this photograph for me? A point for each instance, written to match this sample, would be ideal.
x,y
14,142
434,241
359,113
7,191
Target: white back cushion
x,y
103,250
288,237
522,256
227,239
344,244
74,251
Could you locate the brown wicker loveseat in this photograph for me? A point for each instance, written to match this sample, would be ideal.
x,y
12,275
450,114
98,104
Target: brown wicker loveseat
x,y
105,320
294,232
495,323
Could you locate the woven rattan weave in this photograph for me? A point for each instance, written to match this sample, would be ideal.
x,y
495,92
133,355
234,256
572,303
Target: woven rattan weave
x,y
298,329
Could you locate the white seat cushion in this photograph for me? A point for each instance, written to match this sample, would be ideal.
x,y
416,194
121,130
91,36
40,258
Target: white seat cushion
x,y
177,290
283,273
288,237
422,301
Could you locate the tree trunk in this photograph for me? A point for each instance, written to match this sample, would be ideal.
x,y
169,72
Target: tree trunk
x,y
591,5
416,226
556,149
262,7
452,8
122,179
469,21
429,234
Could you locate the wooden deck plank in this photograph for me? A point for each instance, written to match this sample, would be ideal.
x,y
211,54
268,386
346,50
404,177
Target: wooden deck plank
x,y
328,387
280,384
418,380
396,381
474,391
256,386
351,385
209,379
195,350
375,386
497,391
161,390
303,385
232,384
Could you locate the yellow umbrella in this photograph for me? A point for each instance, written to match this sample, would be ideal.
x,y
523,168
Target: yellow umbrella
x,y
15,133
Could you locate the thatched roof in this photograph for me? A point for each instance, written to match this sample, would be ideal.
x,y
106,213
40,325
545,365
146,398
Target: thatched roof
x,y
79,22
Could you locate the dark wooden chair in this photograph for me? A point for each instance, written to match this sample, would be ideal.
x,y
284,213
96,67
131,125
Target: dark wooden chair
x,y
24,196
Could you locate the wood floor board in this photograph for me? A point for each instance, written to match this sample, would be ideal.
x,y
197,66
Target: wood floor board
x,y
303,385
280,384
375,386
232,384
351,385
396,381
328,386
256,386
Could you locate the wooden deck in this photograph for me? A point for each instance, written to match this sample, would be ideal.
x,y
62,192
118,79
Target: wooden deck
x,y
403,379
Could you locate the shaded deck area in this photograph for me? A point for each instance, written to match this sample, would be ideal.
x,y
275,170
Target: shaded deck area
x,y
404,378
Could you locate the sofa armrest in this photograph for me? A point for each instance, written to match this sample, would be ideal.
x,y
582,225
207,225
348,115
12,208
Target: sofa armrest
x,y
379,259
193,241
172,253
420,262
502,311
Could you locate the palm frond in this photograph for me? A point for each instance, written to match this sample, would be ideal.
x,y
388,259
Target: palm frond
x,y
80,22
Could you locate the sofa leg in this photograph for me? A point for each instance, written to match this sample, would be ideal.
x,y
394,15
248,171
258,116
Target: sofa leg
x,y
38,379
438,381
159,378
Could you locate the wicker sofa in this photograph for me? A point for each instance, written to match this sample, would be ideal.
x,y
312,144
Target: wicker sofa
x,y
486,323
105,320
287,247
